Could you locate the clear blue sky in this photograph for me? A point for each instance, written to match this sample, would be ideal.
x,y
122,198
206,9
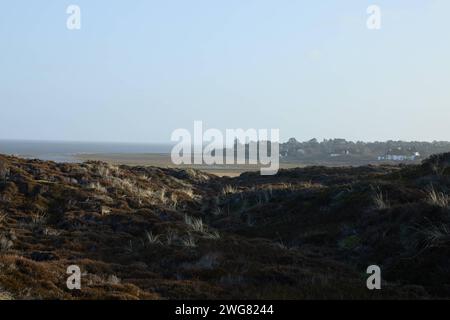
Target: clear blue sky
x,y
139,69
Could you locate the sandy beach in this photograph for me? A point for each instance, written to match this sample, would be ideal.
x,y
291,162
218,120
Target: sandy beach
x,y
163,160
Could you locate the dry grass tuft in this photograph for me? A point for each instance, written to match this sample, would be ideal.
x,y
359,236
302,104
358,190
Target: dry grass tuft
x,y
189,193
171,236
196,224
438,199
97,186
213,235
4,296
152,239
39,219
189,242
228,189
381,202
113,280
161,195
436,235
5,244
2,217
4,171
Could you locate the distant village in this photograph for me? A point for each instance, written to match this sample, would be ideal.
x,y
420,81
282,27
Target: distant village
x,y
341,150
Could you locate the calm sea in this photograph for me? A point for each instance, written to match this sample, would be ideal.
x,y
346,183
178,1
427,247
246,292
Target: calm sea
x,y
66,151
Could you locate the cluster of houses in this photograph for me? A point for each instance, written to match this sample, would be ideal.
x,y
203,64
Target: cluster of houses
x,y
343,150
397,154
400,155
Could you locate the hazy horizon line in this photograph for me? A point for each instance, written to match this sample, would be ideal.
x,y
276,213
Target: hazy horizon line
x,y
174,142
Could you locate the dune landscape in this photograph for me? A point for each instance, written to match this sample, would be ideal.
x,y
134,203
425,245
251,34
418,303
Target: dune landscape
x,y
224,159
141,232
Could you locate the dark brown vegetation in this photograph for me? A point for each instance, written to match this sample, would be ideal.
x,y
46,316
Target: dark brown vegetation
x,y
150,233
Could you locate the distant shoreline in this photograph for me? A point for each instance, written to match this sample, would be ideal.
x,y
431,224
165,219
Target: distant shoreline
x,y
293,154
163,160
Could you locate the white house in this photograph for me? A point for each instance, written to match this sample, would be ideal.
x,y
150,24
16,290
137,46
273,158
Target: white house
x,y
399,157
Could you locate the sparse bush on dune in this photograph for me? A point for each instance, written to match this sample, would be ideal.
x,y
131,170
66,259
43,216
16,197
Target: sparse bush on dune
x,y
4,296
380,200
189,193
286,186
124,184
138,186
171,236
4,171
195,174
228,189
438,163
214,235
218,211
173,201
103,171
51,232
195,224
38,219
144,177
435,235
265,195
2,217
189,241
98,187
309,185
438,199
152,239
161,195
113,279
144,193
5,243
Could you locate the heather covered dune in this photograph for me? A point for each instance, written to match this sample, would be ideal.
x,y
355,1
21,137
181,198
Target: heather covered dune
x,y
151,233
